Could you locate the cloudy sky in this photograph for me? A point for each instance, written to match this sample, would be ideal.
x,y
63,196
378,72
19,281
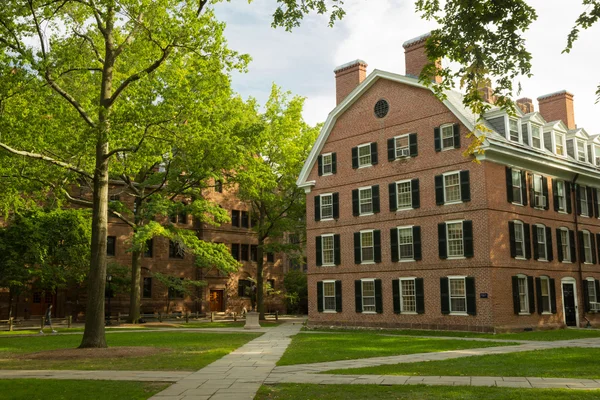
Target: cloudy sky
x,y
374,30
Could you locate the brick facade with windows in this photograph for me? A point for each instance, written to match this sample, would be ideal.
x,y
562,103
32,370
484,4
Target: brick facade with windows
x,y
430,239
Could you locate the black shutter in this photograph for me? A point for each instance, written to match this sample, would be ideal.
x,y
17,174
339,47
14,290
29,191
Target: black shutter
x,y
437,139
465,186
516,297
598,247
442,240
377,245
456,136
468,238
531,189
569,197
524,188
357,256
336,205
553,295
358,296
337,259
338,296
588,192
549,253
355,157
355,209
572,245
536,253
378,297
577,200
509,192
545,192
416,198
530,295
394,244
391,148
586,296
555,194
527,241
317,208
318,251
581,246
538,295
412,145
320,163
559,250
374,153
396,295
375,198
595,201
333,163
420,295
417,242
471,298
439,189
593,247
392,189
320,296
511,237
445,295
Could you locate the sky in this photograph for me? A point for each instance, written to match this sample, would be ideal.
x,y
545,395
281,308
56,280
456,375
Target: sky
x,y
373,30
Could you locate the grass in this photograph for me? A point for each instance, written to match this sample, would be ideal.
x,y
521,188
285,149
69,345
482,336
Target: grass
x,y
552,363
314,347
189,350
547,335
410,392
38,389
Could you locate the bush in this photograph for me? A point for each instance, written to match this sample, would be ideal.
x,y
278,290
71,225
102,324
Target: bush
x,y
296,288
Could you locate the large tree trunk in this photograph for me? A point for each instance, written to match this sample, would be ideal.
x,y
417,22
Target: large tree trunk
x,y
136,277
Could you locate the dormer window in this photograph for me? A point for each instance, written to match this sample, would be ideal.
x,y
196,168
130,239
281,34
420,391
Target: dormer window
x,y
581,151
536,136
559,144
513,129
596,156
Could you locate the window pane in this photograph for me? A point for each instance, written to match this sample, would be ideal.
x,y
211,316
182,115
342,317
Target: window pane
x,y
452,187
368,295
519,239
560,149
516,186
564,239
329,296
327,164
455,239
402,146
364,155
458,300
448,137
327,206
514,130
536,140
409,303
327,249
404,195
523,302
366,240
366,202
405,241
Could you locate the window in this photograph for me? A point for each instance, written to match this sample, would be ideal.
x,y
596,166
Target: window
x,y
513,128
536,136
538,190
587,247
367,250
148,252
245,250
253,252
327,250
327,164
455,239
329,296
583,201
219,186
401,145
565,245
235,251
365,201
404,195
37,297
519,240
245,220
592,295
580,151
405,243
364,155
271,283
147,288
597,155
270,257
458,295
368,295
452,187
381,108
447,132
561,195
523,294
111,244
545,294
235,218
541,242
559,143
326,206
175,250
408,298
244,287
516,186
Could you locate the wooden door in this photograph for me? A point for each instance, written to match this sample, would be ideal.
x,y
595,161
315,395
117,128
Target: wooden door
x,y
216,300
569,304
41,301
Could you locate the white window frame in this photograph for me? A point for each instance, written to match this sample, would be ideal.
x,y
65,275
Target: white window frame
x,y
323,262
523,310
556,136
519,227
518,171
324,164
403,309
545,282
372,232
400,259
566,245
442,128
362,295
398,207
455,257
532,127
583,201
407,147
362,146
596,307
508,130
539,182
324,195
444,175
328,310
545,257
587,247
450,297
360,190
596,156
562,200
580,148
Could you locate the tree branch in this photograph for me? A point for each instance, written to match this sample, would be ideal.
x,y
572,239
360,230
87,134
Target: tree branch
x,y
129,37
70,99
91,42
38,29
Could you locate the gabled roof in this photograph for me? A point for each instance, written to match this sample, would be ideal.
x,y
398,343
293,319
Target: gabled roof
x,y
578,133
534,117
557,126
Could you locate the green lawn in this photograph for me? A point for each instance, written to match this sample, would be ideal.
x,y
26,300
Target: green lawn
x,y
553,363
44,389
47,330
314,347
290,391
189,350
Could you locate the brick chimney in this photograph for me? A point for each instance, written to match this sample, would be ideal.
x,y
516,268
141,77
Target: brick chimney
x,y
415,57
486,92
347,77
558,106
526,105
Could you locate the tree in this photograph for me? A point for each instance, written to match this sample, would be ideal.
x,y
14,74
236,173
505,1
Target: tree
x,y
177,287
281,143
296,291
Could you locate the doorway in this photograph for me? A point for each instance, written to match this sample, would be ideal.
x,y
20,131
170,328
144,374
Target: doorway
x,y
216,300
40,302
569,297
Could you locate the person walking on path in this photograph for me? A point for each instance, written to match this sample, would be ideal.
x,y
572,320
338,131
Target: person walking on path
x,y
48,320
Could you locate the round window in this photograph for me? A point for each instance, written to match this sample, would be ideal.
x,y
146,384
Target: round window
x,y
381,108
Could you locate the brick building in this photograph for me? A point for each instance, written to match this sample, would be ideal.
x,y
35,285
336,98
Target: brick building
x,y
405,231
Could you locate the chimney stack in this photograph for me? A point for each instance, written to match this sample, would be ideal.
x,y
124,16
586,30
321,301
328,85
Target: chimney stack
x,y
347,77
526,105
558,106
415,57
